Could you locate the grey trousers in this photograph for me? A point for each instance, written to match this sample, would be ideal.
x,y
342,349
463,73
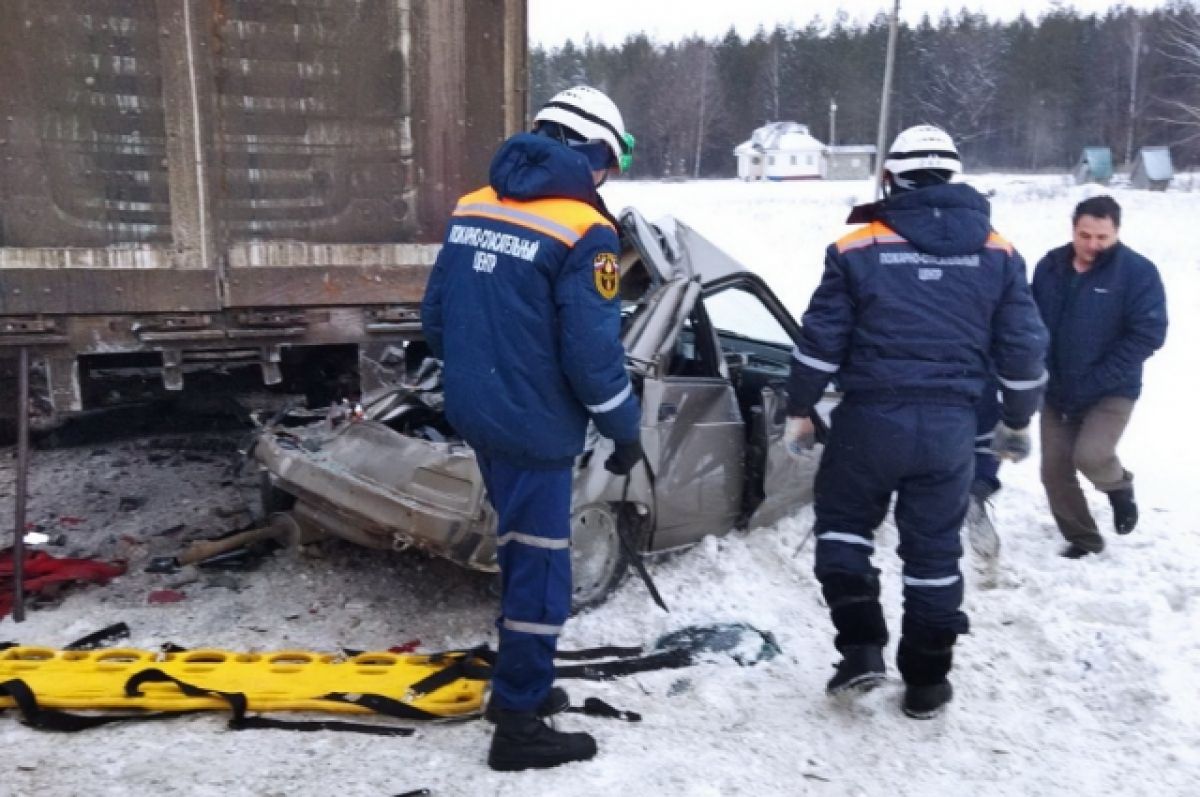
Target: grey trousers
x,y
1086,443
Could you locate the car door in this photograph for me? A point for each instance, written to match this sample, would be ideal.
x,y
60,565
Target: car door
x,y
695,438
756,336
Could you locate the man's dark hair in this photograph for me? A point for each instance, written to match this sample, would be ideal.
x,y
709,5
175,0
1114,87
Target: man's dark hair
x,y
1100,207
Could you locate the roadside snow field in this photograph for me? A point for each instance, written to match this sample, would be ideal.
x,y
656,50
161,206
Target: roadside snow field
x,y
1080,677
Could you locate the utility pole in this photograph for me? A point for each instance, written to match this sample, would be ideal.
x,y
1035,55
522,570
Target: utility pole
x,y
885,97
700,120
775,77
832,121
1136,57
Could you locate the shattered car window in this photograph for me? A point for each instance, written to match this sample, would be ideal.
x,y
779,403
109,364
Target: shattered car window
x,y
742,313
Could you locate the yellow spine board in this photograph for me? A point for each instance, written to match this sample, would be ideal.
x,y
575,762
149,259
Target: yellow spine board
x,y
285,680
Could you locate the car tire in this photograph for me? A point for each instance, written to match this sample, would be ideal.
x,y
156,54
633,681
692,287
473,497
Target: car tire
x,y
598,559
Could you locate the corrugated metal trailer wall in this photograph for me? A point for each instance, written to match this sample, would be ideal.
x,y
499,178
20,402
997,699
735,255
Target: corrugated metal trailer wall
x,y
237,175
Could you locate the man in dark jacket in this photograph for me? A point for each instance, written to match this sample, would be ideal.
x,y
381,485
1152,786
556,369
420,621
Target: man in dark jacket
x,y
913,311
522,306
1106,310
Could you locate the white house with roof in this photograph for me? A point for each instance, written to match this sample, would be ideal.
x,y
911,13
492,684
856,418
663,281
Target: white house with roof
x,y
780,151
787,151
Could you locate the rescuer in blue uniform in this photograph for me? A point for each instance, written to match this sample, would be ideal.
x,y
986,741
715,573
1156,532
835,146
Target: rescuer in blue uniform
x,y
522,307
913,311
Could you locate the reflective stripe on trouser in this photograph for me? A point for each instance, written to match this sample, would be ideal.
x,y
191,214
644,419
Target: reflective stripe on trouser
x,y
987,464
533,551
923,454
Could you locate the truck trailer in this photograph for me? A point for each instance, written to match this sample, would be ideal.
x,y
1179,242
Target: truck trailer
x,y
200,186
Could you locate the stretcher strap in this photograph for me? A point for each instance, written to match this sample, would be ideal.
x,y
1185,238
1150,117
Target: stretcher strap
x,y
112,633
390,707
48,719
631,552
603,652
237,705
595,707
603,670
474,665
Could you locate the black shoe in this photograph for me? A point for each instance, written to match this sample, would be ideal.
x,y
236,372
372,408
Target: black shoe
x,y
1125,511
926,702
1075,551
556,702
523,741
861,670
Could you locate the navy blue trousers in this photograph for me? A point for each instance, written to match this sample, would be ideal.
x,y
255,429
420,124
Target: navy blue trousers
x,y
533,550
987,464
922,453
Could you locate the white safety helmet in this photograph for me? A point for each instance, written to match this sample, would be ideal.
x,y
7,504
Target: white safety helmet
x,y
923,148
590,114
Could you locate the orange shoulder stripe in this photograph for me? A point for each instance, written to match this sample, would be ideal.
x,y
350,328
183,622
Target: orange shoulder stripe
x,y
998,241
867,235
567,220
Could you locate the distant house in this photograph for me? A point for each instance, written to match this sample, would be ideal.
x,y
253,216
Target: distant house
x,y
749,161
1152,169
787,151
1095,166
780,151
849,163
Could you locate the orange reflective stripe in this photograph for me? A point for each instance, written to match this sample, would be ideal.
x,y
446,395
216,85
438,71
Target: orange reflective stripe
x,y
875,232
998,241
566,220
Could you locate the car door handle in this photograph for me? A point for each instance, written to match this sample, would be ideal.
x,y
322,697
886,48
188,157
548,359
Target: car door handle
x,y
667,412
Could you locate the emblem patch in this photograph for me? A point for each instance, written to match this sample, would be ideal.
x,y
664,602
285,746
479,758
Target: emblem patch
x,y
607,274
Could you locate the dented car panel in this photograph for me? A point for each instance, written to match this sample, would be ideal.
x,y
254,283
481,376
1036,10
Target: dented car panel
x,y
377,487
708,345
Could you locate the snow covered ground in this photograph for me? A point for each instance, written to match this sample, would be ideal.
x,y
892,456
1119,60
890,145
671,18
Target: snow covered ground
x,y
1080,677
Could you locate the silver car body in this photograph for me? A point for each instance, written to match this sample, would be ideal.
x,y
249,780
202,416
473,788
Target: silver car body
x,y
709,345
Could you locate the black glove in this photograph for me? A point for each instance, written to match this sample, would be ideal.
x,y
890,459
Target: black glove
x,y
624,457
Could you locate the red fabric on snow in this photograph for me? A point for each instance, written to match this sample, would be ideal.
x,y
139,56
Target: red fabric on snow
x,y
43,570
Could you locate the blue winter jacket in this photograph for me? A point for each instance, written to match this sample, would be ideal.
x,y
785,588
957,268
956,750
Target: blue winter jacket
x,y
1104,323
919,306
522,308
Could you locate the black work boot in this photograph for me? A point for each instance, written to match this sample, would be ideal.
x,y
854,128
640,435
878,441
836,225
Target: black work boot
x,y
1075,551
523,741
926,702
860,670
556,702
1125,511
924,658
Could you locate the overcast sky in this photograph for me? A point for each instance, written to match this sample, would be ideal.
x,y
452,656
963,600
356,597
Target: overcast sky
x,y
552,22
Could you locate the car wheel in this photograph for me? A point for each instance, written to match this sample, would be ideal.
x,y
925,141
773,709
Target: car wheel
x,y
598,561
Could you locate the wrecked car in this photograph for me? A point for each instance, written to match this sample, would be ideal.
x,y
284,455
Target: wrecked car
x,y
708,347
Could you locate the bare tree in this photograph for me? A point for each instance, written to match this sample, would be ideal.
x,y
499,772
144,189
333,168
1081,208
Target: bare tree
x,y
962,71
1181,45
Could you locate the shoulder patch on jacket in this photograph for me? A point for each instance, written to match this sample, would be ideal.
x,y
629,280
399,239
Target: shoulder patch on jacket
x,y
607,274
997,241
867,235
